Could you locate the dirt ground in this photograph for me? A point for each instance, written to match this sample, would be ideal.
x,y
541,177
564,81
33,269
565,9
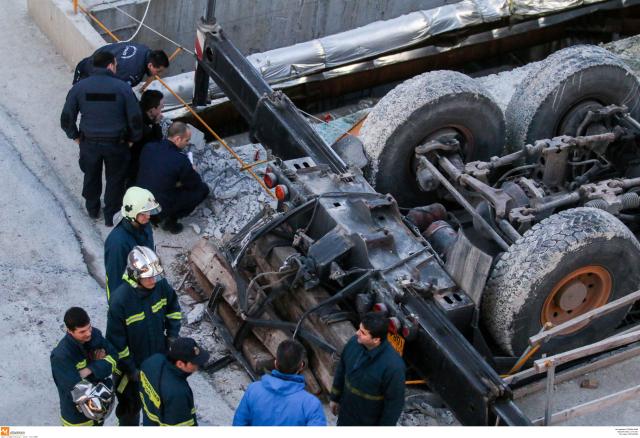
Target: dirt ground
x,y
52,252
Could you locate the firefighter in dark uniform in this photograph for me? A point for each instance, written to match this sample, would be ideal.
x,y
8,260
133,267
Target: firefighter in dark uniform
x,y
134,62
167,172
82,354
144,316
138,205
167,399
368,386
111,121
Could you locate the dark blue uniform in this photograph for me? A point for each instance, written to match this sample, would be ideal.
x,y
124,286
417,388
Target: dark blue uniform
x,y
369,385
166,397
67,359
110,118
152,132
132,62
117,247
167,173
139,321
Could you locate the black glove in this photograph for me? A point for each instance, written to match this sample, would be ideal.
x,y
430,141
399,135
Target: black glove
x,y
134,376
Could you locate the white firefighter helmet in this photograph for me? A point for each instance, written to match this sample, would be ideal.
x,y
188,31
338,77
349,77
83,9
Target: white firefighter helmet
x,y
94,401
142,262
138,200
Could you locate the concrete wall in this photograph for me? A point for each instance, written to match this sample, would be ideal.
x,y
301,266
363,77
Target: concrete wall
x,y
71,35
253,25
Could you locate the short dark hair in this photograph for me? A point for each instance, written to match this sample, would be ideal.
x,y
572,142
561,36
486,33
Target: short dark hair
x,y
76,317
376,324
177,128
103,59
150,99
158,58
289,356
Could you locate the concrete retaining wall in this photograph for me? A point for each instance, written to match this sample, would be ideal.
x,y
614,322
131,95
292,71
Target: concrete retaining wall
x,y
253,25
71,35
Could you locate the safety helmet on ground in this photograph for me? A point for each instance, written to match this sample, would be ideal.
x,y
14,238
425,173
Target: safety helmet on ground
x,y
138,200
142,262
94,401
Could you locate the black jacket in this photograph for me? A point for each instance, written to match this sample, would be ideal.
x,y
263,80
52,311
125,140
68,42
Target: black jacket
x,y
119,243
140,320
67,359
132,62
162,167
110,110
369,385
166,396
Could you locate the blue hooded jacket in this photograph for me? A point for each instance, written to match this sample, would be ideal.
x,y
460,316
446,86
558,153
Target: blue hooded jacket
x,y
279,400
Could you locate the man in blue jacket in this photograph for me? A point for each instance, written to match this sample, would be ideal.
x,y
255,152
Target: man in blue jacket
x,y
143,318
134,62
111,121
138,205
368,386
167,399
82,354
279,398
167,172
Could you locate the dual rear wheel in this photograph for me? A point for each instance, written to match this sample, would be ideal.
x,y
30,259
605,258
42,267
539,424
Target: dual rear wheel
x,y
564,266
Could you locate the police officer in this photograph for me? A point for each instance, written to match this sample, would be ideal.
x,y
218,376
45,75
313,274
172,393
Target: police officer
x,y
368,386
151,104
167,172
134,61
143,317
167,399
110,119
138,205
83,354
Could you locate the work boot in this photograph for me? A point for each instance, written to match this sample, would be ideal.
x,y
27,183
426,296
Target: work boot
x,y
155,220
108,220
172,225
93,212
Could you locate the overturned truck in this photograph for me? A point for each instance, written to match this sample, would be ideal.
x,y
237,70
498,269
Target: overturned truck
x,y
470,243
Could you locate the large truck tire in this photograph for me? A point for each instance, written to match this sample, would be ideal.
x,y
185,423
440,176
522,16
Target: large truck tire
x,y
554,98
428,106
570,263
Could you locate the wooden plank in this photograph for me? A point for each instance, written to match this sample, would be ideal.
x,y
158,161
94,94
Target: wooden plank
x,y
575,372
591,315
541,365
591,406
205,257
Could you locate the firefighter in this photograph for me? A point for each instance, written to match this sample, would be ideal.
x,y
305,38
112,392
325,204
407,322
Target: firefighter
x,y
279,398
151,105
134,62
82,360
368,386
143,318
167,399
111,121
168,173
138,205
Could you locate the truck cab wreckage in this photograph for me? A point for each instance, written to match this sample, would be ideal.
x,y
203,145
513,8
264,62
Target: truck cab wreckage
x,y
468,252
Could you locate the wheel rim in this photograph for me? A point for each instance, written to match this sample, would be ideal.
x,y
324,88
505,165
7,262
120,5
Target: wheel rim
x,y
573,117
580,291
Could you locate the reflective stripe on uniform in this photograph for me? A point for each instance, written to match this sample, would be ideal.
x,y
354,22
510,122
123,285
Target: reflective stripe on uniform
x,y
134,318
124,353
112,361
193,411
129,280
155,419
362,394
106,282
174,315
148,389
67,423
159,305
81,364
